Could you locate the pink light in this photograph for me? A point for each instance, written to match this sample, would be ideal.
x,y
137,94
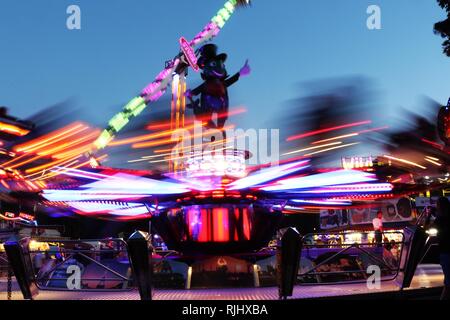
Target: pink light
x,y
210,30
189,54
127,183
364,187
156,96
116,187
268,174
155,88
79,173
149,89
324,202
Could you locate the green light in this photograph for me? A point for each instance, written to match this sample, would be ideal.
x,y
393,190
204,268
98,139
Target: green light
x,y
103,140
134,104
230,6
119,121
218,20
139,109
225,14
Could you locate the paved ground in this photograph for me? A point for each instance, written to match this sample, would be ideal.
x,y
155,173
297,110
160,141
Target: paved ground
x,y
426,277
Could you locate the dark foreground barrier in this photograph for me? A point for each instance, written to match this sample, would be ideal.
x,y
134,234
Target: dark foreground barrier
x,y
140,255
288,254
416,240
21,266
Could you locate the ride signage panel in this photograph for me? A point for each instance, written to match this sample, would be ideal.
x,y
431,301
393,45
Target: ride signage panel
x,y
189,53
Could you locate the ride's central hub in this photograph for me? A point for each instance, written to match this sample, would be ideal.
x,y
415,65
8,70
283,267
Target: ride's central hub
x,y
229,163
216,227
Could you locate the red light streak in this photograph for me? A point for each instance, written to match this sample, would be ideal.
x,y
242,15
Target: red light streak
x,y
312,133
434,144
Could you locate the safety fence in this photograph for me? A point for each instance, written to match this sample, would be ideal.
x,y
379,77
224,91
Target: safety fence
x,y
97,264
341,259
118,265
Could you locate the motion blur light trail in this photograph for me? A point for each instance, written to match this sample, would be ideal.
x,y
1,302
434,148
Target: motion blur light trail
x,y
124,195
323,179
266,175
316,132
354,134
404,161
53,137
312,148
332,148
12,129
63,147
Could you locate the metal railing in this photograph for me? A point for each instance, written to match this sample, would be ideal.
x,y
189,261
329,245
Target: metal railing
x,y
356,270
93,269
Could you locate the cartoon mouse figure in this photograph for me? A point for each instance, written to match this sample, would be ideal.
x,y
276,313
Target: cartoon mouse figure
x,y
214,93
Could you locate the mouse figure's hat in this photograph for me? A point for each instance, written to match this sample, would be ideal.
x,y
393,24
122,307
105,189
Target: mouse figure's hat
x,y
209,53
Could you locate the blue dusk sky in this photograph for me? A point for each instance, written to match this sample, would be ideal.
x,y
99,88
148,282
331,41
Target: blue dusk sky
x,y
123,44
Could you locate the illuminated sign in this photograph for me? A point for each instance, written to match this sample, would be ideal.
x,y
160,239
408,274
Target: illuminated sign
x,y
26,216
10,215
357,162
189,53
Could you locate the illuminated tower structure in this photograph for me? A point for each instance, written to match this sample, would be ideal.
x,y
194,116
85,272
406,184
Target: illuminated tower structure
x,y
177,117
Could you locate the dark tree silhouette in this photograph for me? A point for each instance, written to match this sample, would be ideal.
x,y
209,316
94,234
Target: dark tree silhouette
x,y
442,28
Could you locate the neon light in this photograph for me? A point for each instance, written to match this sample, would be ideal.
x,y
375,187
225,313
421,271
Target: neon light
x,y
267,175
70,195
434,144
226,163
332,148
313,148
324,202
189,53
432,158
103,140
356,188
404,161
204,226
61,134
48,165
113,188
12,129
312,133
434,162
336,138
26,216
115,208
80,173
247,224
122,181
357,162
221,227
323,179
166,133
